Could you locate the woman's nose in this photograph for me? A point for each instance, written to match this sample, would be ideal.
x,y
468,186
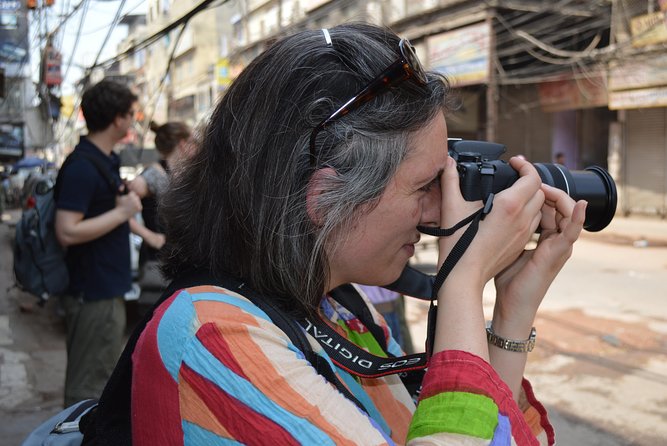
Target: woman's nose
x,y
431,208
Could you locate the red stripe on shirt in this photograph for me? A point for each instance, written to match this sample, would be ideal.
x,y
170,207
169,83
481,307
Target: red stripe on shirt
x,y
244,424
163,426
465,372
211,338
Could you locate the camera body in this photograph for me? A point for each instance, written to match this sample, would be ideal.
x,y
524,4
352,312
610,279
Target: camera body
x,y
477,159
482,172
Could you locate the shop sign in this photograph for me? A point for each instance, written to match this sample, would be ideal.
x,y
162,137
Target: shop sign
x,y
462,55
222,73
638,73
11,140
641,98
648,29
571,94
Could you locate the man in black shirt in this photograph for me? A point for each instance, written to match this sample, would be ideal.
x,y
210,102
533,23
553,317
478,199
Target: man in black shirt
x,y
93,223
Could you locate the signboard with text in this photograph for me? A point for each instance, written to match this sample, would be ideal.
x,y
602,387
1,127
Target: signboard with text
x,y
638,83
649,29
638,73
641,98
571,94
462,55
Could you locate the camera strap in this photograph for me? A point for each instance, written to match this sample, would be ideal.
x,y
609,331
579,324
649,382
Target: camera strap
x,y
357,361
452,259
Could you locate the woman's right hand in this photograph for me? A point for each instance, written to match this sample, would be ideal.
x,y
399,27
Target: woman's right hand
x,y
504,232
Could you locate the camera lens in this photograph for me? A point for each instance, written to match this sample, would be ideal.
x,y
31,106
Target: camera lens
x,y
594,184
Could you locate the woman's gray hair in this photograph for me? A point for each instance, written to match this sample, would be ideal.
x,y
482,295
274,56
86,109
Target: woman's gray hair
x,y
239,205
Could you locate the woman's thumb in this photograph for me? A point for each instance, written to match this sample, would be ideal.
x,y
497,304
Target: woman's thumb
x,y
450,178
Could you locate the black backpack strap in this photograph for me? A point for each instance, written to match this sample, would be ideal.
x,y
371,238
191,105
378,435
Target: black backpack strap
x,y
349,297
296,334
104,170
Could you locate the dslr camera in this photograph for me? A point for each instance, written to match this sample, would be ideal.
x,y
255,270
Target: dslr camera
x,y
482,172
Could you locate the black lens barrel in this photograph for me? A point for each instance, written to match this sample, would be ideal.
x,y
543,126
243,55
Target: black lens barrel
x,y
594,184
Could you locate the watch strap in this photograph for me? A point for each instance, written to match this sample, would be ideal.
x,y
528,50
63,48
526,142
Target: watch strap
x,y
511,345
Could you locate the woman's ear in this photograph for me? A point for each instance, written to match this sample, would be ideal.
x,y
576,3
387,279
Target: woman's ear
x,y
320,181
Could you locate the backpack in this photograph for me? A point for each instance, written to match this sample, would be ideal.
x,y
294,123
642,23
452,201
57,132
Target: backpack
x,y
39,259
62,429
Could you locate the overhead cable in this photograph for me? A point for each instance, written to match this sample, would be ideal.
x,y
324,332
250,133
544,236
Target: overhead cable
x,y
156,36
109,31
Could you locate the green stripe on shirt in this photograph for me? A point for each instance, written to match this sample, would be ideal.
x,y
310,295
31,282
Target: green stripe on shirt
x,y
456,412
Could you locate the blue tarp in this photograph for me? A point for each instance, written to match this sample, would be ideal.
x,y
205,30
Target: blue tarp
x,y
29,162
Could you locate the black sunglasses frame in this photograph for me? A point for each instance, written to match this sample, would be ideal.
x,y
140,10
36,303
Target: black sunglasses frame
x,y
405,67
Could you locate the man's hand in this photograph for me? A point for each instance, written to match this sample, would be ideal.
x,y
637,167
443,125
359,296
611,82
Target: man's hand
x,y
129,204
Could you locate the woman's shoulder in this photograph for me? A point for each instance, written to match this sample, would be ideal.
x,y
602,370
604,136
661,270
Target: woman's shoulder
x,y
209,301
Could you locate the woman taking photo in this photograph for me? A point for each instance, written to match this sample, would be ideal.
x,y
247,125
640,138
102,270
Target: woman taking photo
x,y
315,171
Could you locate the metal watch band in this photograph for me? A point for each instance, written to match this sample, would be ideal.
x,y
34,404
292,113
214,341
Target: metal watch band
x,y
511,344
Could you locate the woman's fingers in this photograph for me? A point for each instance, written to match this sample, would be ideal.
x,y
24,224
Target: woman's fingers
x,y
562,213
572,228
529,180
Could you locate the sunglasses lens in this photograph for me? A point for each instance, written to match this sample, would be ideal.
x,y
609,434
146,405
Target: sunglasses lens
x,y
410,55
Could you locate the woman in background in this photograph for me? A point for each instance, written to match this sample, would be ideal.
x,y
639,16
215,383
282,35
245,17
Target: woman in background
x,y
172,141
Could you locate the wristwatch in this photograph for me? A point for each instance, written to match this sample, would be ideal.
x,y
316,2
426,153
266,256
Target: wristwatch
x,y
511,344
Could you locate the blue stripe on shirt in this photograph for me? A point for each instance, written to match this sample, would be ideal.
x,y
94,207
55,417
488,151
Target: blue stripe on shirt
x,y
171,332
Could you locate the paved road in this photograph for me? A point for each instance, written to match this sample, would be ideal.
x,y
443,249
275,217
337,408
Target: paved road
x,y
600,365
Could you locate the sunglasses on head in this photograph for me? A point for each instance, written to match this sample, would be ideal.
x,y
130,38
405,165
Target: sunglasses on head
x,y
407,66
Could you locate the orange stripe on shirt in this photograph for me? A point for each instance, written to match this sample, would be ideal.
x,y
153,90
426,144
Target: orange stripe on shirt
x,y
193,409
533,419
396,415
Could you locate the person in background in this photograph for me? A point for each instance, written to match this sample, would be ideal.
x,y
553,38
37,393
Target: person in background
x,y
388,304
318,168
559,158
93,223
172,141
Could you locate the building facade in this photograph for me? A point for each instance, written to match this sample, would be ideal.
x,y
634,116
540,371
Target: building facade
x,y
584,78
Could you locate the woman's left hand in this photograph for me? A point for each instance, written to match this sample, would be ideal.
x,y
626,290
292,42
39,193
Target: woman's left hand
x,y
522,286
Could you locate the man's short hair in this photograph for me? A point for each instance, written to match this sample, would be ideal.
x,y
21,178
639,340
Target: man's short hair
x,y
103,102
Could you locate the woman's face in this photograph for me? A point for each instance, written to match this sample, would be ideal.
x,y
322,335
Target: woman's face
x,y
376,247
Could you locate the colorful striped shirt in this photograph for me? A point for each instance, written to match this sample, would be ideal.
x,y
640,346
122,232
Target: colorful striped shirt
x,y
211,368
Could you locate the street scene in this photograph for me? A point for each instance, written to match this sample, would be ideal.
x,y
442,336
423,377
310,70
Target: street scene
x,y
297,153
600,364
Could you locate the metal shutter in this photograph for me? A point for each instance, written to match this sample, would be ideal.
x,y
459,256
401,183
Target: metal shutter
x,y
646,161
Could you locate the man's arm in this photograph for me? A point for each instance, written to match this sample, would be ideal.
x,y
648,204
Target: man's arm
x,y
73,229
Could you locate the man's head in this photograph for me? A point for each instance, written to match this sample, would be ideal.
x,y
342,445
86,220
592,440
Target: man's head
x,y
104,102
559,158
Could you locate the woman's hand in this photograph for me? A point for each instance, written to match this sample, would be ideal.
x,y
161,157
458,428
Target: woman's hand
x,y
522,285
504,232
